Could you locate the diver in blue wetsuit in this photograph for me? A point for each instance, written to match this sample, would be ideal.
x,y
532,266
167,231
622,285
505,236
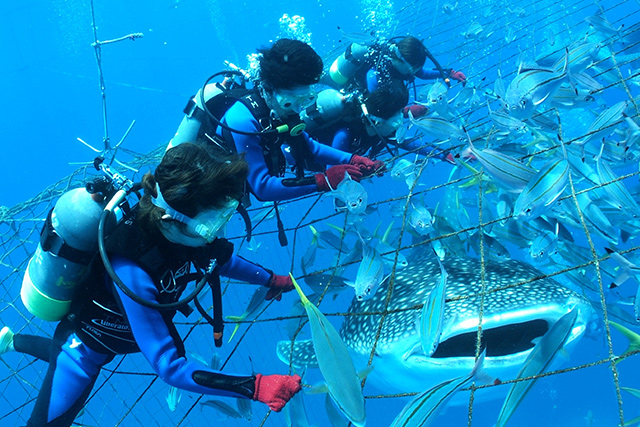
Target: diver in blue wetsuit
x,y
263,123
366,125
166,241
366,68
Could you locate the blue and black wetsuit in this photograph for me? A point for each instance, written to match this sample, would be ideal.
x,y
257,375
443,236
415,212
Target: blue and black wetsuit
x,y
104,322
264,155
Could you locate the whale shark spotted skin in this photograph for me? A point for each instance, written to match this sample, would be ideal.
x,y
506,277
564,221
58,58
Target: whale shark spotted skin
x,y
512,317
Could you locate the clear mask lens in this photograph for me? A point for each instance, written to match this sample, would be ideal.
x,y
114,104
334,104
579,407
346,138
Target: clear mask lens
x,y
296,100
207,224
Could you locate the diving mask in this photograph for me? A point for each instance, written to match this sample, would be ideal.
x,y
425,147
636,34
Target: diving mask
x,y
296,99
386,127
205,224
402,65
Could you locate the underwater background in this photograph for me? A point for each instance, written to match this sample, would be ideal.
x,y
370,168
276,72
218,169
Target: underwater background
x,y
51,96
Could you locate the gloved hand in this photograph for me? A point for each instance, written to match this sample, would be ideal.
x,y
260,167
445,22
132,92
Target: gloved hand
x,y
276,390
457,75
277,285
416,111
367,166
334,175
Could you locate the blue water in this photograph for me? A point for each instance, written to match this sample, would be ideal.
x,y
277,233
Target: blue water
x,y
51,97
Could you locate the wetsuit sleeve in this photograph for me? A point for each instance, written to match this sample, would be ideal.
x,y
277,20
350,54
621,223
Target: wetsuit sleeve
x,y
342,139
239,268
265,186
427,74
326,155
156,341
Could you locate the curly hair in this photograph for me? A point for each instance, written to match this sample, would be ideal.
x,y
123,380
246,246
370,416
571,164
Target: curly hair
x,y
289,63
192,177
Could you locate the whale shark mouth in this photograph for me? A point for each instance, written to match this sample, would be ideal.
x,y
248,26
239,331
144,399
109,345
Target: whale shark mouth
x,y
499,341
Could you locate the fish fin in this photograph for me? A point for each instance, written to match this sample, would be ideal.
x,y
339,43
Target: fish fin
x,y
303,297
365,372
542,100
633,337
318,389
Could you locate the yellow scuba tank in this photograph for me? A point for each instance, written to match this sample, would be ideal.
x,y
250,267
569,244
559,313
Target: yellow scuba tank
x,y
346,65
68,243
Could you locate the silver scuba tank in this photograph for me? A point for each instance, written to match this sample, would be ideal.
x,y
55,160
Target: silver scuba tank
x,y
61,261
190,125
328,107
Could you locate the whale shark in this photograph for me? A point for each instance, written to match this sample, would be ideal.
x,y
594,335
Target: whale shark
x,y
519,306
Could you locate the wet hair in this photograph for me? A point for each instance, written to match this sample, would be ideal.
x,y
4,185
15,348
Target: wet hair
x,y
387,100
289,63
413,51
192,177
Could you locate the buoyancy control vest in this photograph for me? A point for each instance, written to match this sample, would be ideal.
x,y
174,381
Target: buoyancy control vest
x,y
96,311
273,133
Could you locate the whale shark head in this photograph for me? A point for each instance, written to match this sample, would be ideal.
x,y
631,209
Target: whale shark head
x,y
519,306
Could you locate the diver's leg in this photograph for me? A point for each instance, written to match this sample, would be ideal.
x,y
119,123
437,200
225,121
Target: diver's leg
x,y
33,345
73,370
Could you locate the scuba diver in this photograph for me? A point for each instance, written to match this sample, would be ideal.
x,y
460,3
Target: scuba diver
x,y
366,125
365,68
263,123
128,300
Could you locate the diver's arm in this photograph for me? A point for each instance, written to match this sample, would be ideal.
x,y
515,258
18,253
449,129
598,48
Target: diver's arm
x,y
427,74
342,140
156,342
265,186
326,155
239,268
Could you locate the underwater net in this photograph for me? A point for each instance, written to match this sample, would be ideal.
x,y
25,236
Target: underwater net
x,y
581,142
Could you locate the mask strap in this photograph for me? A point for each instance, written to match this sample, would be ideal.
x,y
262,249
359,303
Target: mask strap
x,y
160,202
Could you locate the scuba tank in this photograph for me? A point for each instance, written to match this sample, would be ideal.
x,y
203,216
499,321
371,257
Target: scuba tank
x,y
346,65
189,128
328,107
68,244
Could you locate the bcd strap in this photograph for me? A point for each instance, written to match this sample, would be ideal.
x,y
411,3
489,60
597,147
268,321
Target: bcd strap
x,y
53,243
216,320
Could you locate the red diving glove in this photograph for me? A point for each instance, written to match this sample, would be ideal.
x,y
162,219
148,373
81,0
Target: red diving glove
x,y
367,166
416,111
276,390
334,175
278,285
457,75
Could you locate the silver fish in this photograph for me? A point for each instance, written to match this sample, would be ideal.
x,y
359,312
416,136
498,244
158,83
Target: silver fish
x,y
335,363
537,362
370,274
352,194
532,87
543,190
173,398
433,314
437,127
422,410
